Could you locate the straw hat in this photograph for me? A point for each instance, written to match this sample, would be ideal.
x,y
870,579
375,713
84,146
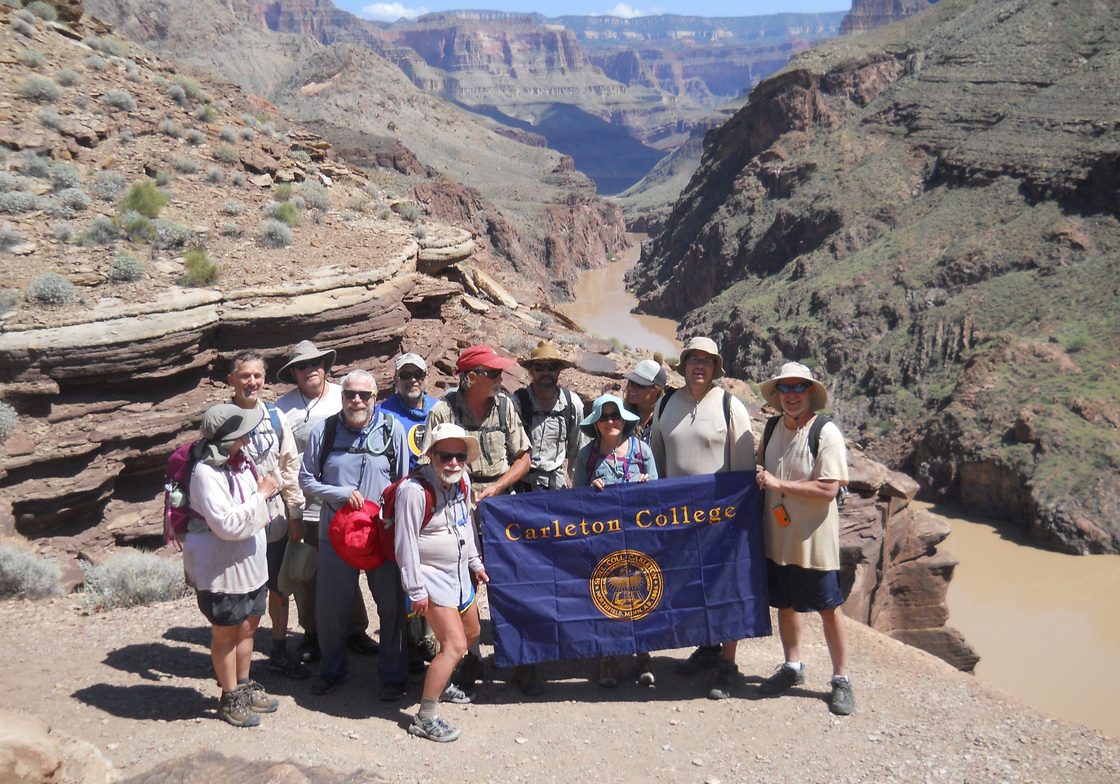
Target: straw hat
x,y
545,351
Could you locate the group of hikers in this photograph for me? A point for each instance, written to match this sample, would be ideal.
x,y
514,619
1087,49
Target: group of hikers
x,y
270,477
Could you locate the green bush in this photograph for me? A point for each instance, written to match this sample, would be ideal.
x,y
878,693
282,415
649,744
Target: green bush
x,y
206,113
68,77
8,419
119,99
303,156
25,575
136,227
38,88
163,179
126,267
192,88
50,289
198,268
274,234
132,579
145,198
227,154
283,211
283,191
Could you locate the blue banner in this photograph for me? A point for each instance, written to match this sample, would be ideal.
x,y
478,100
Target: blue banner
x,y
634,567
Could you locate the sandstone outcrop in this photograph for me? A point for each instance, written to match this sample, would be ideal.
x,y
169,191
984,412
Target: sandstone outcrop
x,y
928,212
869,14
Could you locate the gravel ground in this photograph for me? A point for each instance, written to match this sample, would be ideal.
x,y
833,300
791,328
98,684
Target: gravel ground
x,y
136,684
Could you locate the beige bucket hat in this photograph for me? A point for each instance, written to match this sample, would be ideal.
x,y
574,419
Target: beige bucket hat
x,y
703,346
445,431
795,371
305,350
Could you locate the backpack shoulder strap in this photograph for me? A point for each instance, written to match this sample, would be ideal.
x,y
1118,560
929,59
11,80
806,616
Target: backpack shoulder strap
x,y
768,430
815,433
274,416
525,403
569,412
727,426
664,399
330,429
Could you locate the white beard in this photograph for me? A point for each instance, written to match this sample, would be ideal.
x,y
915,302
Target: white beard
x,y
451,478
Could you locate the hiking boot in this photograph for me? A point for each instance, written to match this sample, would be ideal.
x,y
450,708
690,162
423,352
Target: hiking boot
x,y
433,728
703,658
362,644
645,670
725,680
234,707
456,695
326,683
280,661
842,702
308,649
607,678
528,679
259,699
783,679
470,672
391,692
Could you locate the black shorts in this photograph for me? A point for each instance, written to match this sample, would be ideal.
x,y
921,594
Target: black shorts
x,y
274,554
801,589
232,609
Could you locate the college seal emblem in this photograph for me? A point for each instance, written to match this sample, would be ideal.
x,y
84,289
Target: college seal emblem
x,y
627,585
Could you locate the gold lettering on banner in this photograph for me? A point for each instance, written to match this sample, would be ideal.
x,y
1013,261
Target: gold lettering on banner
x,y
672,517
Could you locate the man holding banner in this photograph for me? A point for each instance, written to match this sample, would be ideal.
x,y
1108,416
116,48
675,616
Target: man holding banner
x,y
703,429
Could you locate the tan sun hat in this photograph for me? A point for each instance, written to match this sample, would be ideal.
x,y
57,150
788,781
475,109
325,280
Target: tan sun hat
x,y
545,351
446,431
795,371
703,346
300,563
305,350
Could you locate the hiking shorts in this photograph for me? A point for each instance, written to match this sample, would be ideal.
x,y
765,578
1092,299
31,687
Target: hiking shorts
x,y
274,554
232,609
801,589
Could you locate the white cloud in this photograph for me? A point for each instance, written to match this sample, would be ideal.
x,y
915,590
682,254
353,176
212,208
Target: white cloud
x,y
625,11
391,12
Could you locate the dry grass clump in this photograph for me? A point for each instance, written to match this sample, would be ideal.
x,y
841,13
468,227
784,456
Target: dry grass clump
x,y
131,579
25,575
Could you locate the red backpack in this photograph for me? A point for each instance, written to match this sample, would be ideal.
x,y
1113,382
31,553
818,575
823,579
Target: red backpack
x,y
177,512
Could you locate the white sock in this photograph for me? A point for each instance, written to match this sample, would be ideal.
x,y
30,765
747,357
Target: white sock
x,y
840,679
798,666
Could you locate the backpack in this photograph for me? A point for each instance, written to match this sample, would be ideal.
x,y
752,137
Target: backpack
x,y
177,512
635,448
367,542
726,417
274,417
330,430
452,398
814,444
525,403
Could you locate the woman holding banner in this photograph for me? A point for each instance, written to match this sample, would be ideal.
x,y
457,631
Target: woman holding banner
x,y
614,455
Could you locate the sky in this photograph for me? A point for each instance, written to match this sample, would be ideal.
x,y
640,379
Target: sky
x,y
395,9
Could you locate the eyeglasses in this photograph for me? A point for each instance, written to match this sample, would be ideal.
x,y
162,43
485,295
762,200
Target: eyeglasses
x,y
479,371
693,359
364,394
307,364
447,457
545,367
411,376
799,387
615,417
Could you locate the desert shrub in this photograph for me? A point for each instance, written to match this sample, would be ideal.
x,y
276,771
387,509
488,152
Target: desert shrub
x,y
23,14
68,77
231,207
194,137
301,155
145,198
39,88
214,175
1075,340
9,237
169,234
124,135
176,93
50,289
420,232
227,154
100,231
409,211
69,201
228,134
283,191
248,134
198,268
64,175
136,227
283,211
34,164
274,234
163,179
169,127
49,118
96,62
316,196
230,230
238,178
125,267
107,185
192,88
13,182
184,166
33,59
119,99
8,419
384,213
43,10
61,230
571,340
106,44
15,202
8,299
131,580
249,119
24,28
132,71
297,202
25,575
206,113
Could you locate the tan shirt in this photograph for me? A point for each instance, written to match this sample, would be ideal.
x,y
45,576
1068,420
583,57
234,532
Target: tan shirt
x,y
691,437
498,448
812,539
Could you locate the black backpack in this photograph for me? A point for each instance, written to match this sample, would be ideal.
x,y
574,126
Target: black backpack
x,y
330,430
525,403
814,444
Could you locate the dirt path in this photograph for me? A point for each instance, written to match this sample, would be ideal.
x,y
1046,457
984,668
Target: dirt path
x,y
136,683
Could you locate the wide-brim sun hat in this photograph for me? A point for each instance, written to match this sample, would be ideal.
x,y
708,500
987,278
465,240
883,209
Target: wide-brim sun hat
x,y
545,351
227,422
305,350
482,356
446,431
629,419
647,373
703,346
794,371
299,566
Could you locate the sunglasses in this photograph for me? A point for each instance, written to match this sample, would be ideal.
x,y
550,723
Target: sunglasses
x,y
307,364
545,367
415,375
487,372
364,394
447,457
615,417
799,387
